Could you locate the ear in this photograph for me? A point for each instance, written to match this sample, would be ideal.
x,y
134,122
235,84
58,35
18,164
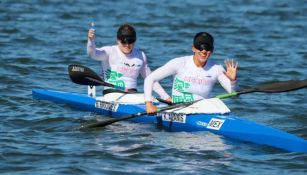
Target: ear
x,y
194,49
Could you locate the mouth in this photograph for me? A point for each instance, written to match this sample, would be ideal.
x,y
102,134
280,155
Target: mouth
x,y
202,59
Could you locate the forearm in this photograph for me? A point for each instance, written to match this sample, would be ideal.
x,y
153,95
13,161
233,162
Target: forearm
x,y
91,48
159,90
227,84
168,69
148,86
97,54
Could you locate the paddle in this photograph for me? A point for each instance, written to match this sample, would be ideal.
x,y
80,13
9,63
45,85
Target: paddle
x,y
85,76
276,87
130,116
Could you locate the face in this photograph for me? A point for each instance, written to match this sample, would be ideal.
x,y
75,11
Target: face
x,y
125,47
202,56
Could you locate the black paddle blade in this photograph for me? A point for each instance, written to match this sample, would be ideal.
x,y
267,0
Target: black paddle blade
x,y
83,75
283,86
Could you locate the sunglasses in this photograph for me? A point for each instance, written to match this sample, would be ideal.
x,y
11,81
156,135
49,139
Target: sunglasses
x,y
127,40
204,46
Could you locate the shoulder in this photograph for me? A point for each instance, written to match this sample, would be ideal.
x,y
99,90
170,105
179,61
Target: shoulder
x,y
138,53
211,63
181,60
214,66
108,49
137,50
176,63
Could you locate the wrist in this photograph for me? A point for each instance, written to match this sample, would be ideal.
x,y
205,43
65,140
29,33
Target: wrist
x,y
148,103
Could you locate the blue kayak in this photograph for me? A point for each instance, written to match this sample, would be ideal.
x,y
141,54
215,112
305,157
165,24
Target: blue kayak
x,y
222,124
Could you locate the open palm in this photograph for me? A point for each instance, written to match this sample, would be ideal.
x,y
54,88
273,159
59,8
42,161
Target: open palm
x,y
231,69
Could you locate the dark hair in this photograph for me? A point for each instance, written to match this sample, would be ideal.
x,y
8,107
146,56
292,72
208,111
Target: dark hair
x,y
126,34
203,41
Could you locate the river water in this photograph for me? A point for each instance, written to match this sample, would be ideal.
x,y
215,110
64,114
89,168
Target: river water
x,y
40,38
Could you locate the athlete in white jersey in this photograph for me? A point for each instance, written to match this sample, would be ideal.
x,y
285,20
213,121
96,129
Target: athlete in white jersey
x,y
122,63
194,76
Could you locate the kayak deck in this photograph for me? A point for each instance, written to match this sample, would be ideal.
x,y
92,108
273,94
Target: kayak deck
x,y
222,124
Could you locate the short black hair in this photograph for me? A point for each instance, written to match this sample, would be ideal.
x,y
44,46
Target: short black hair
x,y
203,41
126,34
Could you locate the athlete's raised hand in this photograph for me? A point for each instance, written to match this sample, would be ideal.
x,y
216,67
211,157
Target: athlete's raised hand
x,y
231,69
91,34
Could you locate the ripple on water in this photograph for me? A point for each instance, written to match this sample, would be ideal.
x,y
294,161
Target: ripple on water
x,y
38,39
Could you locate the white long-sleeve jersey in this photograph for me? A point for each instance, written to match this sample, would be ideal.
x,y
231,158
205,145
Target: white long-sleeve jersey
x,y
190,82
120,69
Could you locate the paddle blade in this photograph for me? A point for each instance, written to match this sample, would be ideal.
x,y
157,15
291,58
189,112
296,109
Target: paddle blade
x,y
276,87
83,75
283,86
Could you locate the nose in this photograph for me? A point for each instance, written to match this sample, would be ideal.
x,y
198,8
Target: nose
x,y
126,44
204,52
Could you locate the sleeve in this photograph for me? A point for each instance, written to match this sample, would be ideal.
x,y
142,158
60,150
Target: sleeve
x,y
97,54
168,69
156,86
226,83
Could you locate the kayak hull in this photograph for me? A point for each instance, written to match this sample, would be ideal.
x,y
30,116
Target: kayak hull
x,y
222,124
84,102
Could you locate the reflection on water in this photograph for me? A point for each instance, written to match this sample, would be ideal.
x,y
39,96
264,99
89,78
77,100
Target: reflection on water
x,y
199,141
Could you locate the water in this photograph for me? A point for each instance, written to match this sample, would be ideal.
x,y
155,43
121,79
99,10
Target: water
x,y
39,39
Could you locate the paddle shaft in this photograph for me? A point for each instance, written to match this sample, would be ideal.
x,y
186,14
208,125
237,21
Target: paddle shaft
x,y
112,120
130,116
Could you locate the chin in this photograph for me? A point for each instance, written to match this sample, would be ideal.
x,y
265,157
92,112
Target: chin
x,y
202,59
127,51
